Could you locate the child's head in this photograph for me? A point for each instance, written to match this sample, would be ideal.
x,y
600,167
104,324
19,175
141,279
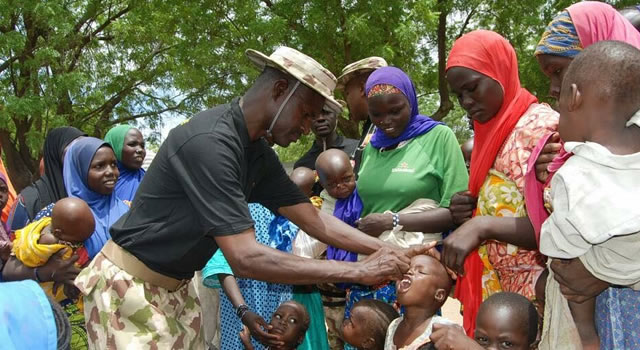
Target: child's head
x,y
507,319
72,220
336,173
426,285
290,321
366,328
599,94
304,178
467,148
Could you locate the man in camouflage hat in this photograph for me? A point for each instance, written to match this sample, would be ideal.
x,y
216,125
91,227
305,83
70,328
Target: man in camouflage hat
x,y
351,83
193,199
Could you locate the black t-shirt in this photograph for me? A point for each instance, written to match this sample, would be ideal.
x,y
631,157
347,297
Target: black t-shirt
x,y
198,187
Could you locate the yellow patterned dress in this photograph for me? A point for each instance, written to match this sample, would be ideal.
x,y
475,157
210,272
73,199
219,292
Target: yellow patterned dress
x,y
508,267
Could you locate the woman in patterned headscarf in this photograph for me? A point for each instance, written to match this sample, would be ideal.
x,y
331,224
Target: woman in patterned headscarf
x,y
574,29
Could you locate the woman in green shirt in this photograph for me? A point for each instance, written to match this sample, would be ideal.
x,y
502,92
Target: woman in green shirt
x,y
409,157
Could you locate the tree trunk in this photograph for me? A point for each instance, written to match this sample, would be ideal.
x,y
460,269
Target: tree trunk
x,y
445,103
21,172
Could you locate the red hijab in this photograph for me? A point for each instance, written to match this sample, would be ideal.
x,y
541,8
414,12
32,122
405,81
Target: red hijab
x,y
489,53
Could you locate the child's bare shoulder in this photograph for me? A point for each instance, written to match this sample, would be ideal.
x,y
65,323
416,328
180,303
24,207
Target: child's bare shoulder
x,y
47,238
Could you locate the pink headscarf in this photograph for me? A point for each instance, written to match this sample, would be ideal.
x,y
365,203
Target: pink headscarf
x,y
596,21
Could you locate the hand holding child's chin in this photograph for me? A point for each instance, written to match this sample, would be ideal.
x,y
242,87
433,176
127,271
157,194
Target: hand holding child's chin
x,y
384,265
258,328
388,264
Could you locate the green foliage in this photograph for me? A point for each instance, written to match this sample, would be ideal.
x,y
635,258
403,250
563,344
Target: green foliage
x,y
92,63
295,150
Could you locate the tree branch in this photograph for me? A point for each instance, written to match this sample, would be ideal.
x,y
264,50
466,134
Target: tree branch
x,y
236,27
293,25
466,22
445,103
108,106
79,46
8,62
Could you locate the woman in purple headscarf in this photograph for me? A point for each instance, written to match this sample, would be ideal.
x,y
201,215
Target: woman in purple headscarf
x,y
410,157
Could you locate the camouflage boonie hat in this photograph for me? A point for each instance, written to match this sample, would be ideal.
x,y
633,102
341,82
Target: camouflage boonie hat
x,y
368,64
302,67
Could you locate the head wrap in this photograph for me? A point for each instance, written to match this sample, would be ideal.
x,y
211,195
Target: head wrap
x,y
418,124
12,194
115,137
50,187
590,22
560,38
106,209
383,89
27,317
129,179
488,53
597,21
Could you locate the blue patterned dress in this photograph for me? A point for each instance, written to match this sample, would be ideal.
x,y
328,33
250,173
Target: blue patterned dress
x,y
262,298
618,318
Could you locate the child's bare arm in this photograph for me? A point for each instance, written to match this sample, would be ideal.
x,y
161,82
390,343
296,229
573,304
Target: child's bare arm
x,y
253,322
245,337
583,317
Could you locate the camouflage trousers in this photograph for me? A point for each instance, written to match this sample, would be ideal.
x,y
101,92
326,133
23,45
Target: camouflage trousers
x,y
333,300
124,312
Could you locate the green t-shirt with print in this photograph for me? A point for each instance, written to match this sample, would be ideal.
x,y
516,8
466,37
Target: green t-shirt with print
x,y
428,166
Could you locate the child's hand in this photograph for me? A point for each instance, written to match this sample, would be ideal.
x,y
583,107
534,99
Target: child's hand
x,y
462,206
451,337
257,326
246,338
549,151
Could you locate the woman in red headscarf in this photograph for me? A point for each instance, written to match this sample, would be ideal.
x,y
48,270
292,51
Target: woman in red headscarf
x,y
496,250
12,193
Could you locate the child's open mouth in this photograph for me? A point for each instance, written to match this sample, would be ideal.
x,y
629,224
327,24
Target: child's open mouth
x,y
404,285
